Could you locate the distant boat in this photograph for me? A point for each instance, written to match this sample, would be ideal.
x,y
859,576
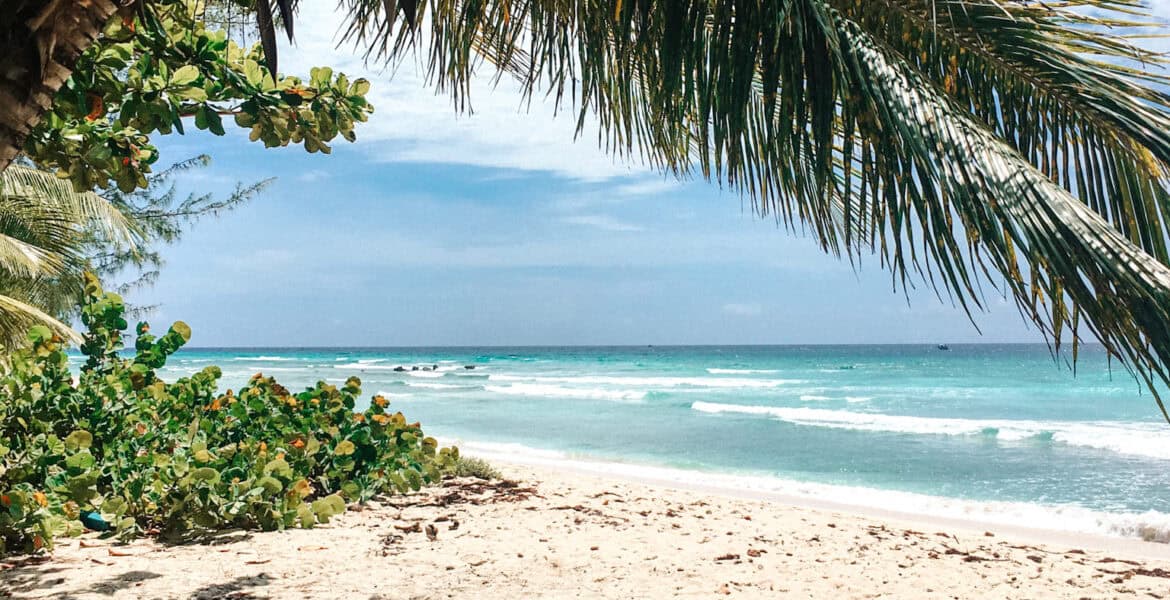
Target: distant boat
x,y
943,347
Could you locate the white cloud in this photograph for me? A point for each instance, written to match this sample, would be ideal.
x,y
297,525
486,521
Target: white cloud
x,y
740,309
313,175
412,123
648,187
605,222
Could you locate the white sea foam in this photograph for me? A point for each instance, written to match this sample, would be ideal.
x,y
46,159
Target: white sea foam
x,y
814,398
554,391
361,365
741,371
372,365
435,386
855,399
1150,525
1150,440
425,374
652,382
267,370
264,358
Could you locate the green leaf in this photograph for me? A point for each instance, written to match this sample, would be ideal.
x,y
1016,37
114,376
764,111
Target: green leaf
x,y
78,439
207,474
80,461
344,448
278,467
201,117
360,87
190,93
39,333
215,123
253,73
184,75
270,485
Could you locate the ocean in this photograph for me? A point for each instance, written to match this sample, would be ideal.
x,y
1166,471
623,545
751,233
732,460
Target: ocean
x,y
1001,434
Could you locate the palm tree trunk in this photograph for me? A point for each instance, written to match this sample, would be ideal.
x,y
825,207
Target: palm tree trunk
x,y
40,41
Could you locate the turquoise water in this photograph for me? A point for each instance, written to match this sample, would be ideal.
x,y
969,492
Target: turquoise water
x,y
995,433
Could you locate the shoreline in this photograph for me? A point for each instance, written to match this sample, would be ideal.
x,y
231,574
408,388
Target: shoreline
x,y
748,487
1052,537
555,533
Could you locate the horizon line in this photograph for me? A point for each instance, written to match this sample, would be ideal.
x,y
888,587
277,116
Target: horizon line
x,y
523,346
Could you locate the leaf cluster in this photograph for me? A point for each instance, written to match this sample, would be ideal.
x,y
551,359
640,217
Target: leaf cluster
x,y
151,71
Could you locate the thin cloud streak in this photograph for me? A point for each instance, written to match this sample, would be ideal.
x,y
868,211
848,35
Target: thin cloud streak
x,y
603,222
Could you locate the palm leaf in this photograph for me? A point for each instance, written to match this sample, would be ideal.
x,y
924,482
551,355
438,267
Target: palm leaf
x,y
23,259
30,194
1017,144
16,317
43,227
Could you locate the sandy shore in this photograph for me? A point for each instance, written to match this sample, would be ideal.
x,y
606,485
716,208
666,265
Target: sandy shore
x,y
563,534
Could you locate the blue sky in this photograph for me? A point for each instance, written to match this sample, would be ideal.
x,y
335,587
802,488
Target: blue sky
x,y
498,229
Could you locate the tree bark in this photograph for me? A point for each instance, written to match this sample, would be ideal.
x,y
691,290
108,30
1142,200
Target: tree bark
x,y
40,41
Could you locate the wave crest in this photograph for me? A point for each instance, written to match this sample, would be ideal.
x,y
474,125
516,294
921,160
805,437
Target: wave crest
x,y
1138,439
629,381
554,391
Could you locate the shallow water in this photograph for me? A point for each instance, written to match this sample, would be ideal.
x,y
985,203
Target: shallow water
x,y
997,433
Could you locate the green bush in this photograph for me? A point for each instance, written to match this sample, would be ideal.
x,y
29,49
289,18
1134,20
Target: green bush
x,y
467,466
180,458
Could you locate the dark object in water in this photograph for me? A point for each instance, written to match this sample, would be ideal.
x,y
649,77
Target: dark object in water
x,y
469,367
414,368
93,521
400,369
943,347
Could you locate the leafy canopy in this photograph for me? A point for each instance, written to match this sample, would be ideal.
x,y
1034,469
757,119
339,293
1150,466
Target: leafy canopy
x,y
149,72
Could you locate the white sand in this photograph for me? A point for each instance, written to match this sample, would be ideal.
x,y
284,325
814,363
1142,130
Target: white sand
x,y
578,535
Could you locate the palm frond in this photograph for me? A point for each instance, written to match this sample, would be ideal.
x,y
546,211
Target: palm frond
x,y
1017,213
44,224
16,317
1014,143
23,259
34,195
1060,84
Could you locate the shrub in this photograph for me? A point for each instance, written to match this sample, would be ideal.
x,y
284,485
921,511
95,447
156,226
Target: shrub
x,y
180,458
467,466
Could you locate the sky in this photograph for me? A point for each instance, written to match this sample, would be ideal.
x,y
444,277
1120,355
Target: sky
x,y
497,228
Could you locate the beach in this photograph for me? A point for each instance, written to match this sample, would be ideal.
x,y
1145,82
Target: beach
x,y
845,300
549,532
